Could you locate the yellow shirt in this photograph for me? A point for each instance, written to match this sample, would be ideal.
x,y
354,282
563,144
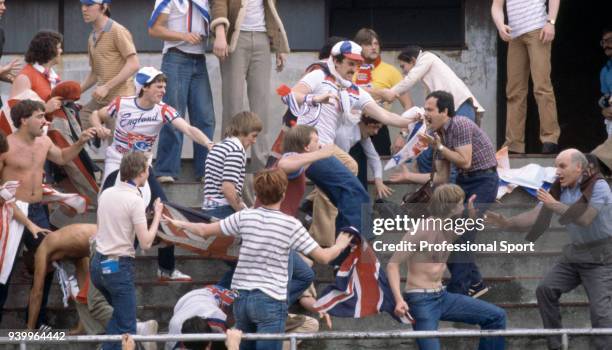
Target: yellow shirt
x,y
383,76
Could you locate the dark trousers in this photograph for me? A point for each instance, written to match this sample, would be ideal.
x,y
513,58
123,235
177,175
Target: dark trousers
x,y
165,255
38,214
362,163
593,269
462,265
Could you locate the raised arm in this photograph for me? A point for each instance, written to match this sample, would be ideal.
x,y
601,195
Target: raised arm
x,y
375,111
98,118
146,236
325,255
200,229
292,163
192,132
64,155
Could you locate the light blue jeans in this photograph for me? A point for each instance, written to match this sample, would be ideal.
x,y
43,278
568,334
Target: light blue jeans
x,y
187,89
256,312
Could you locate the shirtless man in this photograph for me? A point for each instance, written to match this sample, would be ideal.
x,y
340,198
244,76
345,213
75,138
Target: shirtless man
x,y
424,296
24,162
70,242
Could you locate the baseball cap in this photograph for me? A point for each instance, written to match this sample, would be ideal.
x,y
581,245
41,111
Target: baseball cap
x,y
144,76
348,49
93,2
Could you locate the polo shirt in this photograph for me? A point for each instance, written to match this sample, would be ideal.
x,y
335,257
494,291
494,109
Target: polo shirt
x,y
120,209
108,53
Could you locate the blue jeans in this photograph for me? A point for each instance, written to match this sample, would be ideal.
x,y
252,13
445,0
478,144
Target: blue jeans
x,y
256,312
430,308
424,158
462,265
187,89
165,255
119,290
345,192
300,277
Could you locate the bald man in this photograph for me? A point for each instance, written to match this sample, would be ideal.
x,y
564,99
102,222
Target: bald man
x,y
68,243
583,201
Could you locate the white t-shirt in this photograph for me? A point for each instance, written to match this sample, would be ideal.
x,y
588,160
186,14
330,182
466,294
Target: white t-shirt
x,y
184,17
328,118
254,20
348,136
135,129
267,237
210,302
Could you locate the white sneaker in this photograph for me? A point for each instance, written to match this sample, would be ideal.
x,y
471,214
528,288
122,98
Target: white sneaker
x,y
175,276
165,179
147,328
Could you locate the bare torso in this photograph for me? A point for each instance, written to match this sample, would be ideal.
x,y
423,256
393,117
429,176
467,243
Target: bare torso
x,y
69,242
25,162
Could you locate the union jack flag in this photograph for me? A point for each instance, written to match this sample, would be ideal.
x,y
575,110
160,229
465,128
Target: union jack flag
x,y
361,288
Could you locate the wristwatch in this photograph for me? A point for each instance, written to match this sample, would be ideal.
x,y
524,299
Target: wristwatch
x,y
551,21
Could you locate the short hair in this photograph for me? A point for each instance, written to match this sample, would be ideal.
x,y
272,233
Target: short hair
x,y
4,146
578,158
197,325
243,124
24,110
160,78
365,36
369,120
444,199
444,100
606,30
270,185
593,163
132,165
325,50
408,53
297,138
43,47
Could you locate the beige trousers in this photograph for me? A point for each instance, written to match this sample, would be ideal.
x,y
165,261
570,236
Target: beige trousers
x,y
528,55
323,227
250,63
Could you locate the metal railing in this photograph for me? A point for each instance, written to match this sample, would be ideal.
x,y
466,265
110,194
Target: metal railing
x,y
295,337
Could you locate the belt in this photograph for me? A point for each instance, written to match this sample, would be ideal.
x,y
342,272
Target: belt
x,y
425,290
112,257
490,170
592,244
186,54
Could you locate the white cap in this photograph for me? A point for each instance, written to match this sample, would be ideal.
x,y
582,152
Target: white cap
x,y
144,76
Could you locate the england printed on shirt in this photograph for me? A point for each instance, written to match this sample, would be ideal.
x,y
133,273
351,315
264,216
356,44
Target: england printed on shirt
x,y
137,128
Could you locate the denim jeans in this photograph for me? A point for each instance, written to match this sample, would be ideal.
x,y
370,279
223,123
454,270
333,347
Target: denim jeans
x,y
300,277
430,308
165,255
424,158
256,312
187,89
119,290
345,192
461,265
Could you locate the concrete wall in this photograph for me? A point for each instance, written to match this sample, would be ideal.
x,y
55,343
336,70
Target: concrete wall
x,y
476,65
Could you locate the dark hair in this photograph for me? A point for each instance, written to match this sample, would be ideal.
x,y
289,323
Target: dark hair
x,y
106,8
132,165
409,53
606,30
24,110
444,100
270,185
369,120
365,36
43,47
339,58
4,146
199,325
160,78
325,50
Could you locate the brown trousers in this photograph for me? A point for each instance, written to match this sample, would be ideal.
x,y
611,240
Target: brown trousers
x,y
528,55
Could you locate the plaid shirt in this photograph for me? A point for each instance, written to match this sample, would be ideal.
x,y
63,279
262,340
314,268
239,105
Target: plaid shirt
x,y
461,131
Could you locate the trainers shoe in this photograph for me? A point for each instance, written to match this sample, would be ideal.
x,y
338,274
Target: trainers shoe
x,y
149,327
175,276
165,179
477,290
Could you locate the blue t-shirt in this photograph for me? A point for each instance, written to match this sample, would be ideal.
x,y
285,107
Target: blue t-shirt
x,y
605,78
601,227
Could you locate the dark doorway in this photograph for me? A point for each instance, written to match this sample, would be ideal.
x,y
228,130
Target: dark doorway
x,y
577,59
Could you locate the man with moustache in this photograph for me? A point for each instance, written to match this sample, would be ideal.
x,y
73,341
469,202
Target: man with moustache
x,y
24,162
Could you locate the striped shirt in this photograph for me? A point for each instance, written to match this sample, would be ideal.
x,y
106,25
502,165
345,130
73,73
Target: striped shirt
x,y
225,162
267,237
525,16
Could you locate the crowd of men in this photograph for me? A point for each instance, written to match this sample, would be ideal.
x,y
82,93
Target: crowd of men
x,y
335,127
